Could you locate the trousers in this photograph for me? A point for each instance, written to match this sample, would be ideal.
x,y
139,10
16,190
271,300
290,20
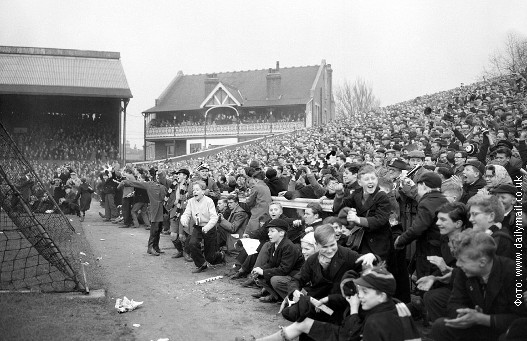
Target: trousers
x,y
209,242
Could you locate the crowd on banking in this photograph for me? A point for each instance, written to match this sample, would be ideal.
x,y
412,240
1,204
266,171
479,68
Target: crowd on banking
x,y
427,217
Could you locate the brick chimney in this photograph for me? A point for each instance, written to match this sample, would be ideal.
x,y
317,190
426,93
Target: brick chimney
x,y
210,83
274,82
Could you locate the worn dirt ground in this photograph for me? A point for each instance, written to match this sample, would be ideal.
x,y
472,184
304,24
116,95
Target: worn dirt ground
x,y
174,306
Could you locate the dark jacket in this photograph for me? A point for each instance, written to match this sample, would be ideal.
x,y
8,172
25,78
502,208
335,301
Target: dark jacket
x,y
236,221
298,232
284,259
84,193
319,283
504,242
424,228
110,186
376,211
140,195
498,299
380,323
276,185
311,191
470,190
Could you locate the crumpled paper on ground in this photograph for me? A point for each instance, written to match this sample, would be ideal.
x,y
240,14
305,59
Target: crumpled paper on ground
x,y
124,304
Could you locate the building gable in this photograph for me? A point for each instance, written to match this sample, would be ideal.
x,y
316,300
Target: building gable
x,y
220,96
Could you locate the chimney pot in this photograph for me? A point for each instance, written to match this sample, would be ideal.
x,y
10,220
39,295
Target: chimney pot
x,y
277,66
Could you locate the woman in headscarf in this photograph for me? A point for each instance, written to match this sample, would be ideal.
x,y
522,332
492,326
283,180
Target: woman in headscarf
x,y
495,175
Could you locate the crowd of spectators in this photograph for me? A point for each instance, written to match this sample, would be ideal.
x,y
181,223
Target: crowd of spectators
x,y
222,119
75,137
434,187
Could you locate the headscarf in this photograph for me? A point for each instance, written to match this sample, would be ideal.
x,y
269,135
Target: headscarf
x,y
501,176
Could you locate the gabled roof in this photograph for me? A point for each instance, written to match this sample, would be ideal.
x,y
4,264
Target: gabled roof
x,y
45,71
187,92
223,91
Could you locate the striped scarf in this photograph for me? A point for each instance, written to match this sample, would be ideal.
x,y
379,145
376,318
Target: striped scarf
x,y
181,197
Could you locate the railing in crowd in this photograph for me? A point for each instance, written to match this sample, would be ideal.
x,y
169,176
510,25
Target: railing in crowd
x,y
207,152
300,203
223,129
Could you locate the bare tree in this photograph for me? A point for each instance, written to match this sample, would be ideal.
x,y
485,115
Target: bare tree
x,y
511,59
355,98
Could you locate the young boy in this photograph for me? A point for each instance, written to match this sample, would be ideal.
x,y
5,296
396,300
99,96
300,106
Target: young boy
x,y
284,261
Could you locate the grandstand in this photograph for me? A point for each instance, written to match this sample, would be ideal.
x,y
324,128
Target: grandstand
x,y
62,104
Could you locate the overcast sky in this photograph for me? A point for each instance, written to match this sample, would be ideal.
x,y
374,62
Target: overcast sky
x,y
402,48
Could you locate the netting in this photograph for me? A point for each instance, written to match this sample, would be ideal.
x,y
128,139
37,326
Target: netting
x,y
38,245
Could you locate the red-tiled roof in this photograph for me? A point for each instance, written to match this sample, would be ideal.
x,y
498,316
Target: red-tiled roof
x,y
35,71
187,92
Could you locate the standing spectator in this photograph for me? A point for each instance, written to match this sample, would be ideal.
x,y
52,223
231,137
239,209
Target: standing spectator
x,y
140,204
109,190
258,201
424,228
84,194
127,198
212,189
473,179
156,194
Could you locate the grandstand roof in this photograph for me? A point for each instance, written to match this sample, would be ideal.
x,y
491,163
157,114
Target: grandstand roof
x,y
47,71
187,92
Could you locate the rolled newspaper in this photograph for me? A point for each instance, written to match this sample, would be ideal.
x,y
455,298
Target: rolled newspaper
x,y
210,279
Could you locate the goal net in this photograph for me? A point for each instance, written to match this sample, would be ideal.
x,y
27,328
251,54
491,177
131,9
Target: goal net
x,y
39,248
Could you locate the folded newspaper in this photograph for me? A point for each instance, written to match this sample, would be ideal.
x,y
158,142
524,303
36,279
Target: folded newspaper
x,y
250,245
123,305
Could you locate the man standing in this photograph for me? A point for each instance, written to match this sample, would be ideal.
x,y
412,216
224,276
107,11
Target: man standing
x,y
211,190
424,228
473,179
200,217
156,194
258,201
175,203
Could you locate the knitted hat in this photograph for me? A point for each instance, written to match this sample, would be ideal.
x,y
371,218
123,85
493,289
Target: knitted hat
x,y
379,279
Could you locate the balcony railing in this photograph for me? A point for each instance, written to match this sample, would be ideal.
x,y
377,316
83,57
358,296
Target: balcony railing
x,y
223,130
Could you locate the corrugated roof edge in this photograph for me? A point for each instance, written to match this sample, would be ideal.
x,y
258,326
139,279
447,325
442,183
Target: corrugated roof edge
x,y
45,51
281,68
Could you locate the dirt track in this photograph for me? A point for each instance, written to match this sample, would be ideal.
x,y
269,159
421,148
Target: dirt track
x,y
174,306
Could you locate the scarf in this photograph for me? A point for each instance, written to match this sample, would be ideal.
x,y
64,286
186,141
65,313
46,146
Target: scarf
x,y
181,197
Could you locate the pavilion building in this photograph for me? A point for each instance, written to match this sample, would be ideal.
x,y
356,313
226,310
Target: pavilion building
x,y
197,112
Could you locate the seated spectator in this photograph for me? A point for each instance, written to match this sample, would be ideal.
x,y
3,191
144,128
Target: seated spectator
x,y
481,305
495,175
473,173
371,313
451,220
283,261
506,194
322,272
486,215
233,224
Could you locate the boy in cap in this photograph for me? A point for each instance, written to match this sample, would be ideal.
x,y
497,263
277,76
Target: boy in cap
x,y
423,228
372,314
284,260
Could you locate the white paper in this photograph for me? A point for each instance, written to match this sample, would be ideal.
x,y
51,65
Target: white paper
x,y
250,245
